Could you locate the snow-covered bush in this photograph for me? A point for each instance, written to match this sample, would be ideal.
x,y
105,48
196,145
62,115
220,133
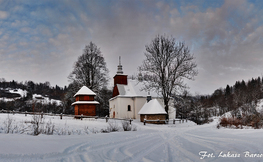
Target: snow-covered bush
x,y
127,126
112,127
49,128
229,122
252,120
104,130
37,123
9,125
64,131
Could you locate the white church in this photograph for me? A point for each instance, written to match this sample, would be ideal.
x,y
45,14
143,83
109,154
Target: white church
x,y
128,97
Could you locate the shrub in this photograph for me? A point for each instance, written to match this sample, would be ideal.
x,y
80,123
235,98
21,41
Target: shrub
x,y
228,122
113,127
253,120
126,125
37,120
8,124
49,129
104,131
224,122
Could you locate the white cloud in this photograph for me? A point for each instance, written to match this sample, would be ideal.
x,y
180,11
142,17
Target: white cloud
x,y
3,14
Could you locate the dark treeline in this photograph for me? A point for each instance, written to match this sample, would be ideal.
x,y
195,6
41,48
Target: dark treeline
x,y
240,99
237,96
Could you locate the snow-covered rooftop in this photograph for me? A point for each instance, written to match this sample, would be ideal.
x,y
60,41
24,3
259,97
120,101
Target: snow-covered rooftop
x,y
85,91
85,102
152,107
133,89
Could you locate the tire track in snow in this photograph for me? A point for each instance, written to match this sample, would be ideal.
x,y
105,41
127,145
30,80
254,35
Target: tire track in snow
x,y
89,147
213,142
163,141
123,150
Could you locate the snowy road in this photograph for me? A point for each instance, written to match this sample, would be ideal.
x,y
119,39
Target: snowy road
x,y
151,143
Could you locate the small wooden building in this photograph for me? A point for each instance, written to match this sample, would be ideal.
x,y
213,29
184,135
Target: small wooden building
x,y
152,111
85,104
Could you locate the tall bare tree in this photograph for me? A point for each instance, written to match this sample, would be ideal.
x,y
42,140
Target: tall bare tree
x,y
90,69
166,66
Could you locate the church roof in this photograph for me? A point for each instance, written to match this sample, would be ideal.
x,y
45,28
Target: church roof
x,y
85,102
85,91
152,107
134,89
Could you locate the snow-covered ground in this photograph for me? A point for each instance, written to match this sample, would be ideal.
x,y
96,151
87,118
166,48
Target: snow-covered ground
x,y
179,142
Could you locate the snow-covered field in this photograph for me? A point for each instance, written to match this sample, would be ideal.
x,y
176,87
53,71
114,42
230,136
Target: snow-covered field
x,y
179,142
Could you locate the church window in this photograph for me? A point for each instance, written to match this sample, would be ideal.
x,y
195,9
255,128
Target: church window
x,y
129,107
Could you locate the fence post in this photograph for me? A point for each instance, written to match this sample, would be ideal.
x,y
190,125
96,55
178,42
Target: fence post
x,y
42,114
106,117
81,116
61,116
144,121
26,113
173,121
13,112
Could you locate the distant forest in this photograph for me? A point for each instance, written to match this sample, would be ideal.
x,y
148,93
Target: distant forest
x,y
240,99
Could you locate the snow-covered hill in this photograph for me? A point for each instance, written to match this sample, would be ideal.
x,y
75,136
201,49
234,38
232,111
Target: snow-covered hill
x,y
18,92
23,93
44,100
179,142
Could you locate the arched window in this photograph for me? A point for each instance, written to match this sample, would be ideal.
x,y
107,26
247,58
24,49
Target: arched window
x,y
129,107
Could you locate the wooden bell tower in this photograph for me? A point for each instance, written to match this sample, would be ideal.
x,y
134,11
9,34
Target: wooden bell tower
x,y
119,78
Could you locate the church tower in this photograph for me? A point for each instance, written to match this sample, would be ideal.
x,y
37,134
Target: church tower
x,y
119,78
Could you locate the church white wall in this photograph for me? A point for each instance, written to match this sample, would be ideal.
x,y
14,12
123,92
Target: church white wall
x,y
113,107
119,105
123,109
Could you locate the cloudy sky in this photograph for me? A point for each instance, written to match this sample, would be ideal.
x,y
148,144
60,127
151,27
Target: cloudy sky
x,y
41,40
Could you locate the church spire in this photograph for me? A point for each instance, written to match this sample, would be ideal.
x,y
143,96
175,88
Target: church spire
x,y
119,71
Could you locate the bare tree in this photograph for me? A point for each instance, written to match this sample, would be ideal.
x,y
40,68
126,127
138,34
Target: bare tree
x,y
166,66
90,69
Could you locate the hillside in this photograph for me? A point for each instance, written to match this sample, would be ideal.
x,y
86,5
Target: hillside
x,y
30,96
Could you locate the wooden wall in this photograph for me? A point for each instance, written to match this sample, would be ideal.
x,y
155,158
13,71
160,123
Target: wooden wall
x,y
120,79
87,110
84,98
153,117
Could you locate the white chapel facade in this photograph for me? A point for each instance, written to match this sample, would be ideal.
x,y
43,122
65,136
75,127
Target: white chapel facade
x,y
128,97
